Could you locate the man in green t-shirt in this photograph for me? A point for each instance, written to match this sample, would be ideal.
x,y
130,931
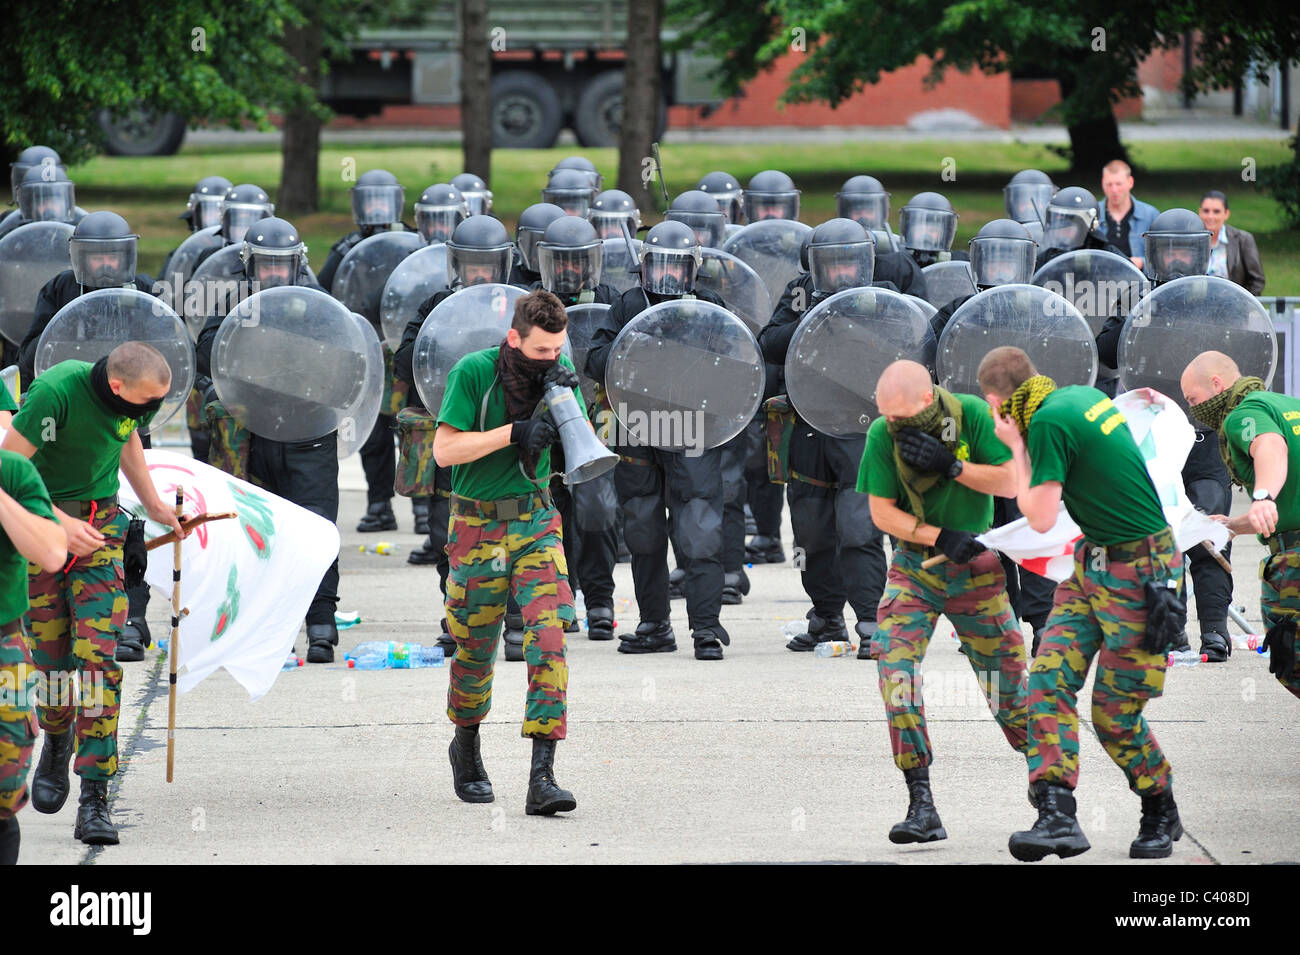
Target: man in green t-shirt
x,y
78,426
1080,451
505,537
28,531
1259,438
930,468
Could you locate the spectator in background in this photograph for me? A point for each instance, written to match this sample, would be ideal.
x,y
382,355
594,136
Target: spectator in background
x,y
1233,255
1123,218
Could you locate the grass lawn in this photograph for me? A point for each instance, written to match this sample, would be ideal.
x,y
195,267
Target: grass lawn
x,y
150,192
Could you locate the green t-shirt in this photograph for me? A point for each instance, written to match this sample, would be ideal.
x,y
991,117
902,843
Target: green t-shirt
x,y
1264,412
496,475
1079,437
7,403
21,481
947,504
78,440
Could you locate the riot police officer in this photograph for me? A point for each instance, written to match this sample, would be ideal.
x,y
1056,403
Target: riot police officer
x,y
571,190
1072,224
438,211
927,225
46,194
610,209
478,197
700,211
528,232
722,186
585,166
864,200
770,195
1026,197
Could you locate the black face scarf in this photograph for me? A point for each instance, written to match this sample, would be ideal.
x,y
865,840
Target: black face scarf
x,y
114,402
521,377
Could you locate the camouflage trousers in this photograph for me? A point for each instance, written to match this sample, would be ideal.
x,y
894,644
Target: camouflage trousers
x,y
490,559
1101,611
17,721
1279,598
973,597
75,620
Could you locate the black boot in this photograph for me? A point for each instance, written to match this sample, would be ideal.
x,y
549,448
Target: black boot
x,y
709,642
420,511
322,638
94,827
675,580
1215,646
1159,830
468,776
379,517
514,637
135,637
446,640
734,587
600,623
820,630
922,823
652,636
545,797
50,781
426,553
9,839
1056,831
762,549
868,649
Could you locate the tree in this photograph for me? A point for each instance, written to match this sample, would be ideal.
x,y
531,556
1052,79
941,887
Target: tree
x,y
476,89
300,141
642,77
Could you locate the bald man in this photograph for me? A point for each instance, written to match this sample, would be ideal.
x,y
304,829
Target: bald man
x,y
931,466
1259,437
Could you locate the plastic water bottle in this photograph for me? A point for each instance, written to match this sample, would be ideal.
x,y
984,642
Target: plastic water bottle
x,y
392,655
1246,641
579,604
794,628
291,662
833,648
1186,658
382,548
346,618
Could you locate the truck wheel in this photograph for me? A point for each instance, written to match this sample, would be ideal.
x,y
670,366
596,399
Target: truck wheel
x,y
599,114
141,132
526,112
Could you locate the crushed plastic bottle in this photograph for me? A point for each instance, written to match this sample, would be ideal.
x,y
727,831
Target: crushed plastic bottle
x,y
343,619
794,628
292,662
1246,641
382,548
392,655
834,648
1186,658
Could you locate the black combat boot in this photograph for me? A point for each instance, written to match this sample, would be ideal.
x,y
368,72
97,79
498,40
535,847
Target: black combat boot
x,y
1056,831
1215,646
762,549
9,840
50,781
868,649
676,578
709,642
446,640
545,797
94,827
322,638
468,776
379,517
514,637
734,587
600,623
820,630
426,553
420,511
652,636
134,638
922,823
1159,830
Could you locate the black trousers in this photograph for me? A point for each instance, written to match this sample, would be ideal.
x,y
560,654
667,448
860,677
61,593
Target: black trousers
x,y
766,499
306,473
379,459
734,492
1031,596
1211,584
590,511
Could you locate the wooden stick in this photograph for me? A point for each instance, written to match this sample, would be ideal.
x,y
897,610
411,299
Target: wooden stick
x,y
1223,561
189,524
175,647
934,561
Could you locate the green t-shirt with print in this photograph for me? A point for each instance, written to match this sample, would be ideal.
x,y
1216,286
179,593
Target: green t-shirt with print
x,y
1265,412
21,481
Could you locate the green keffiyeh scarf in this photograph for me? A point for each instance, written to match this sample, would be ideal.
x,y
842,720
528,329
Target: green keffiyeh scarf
x,y
1026,399
1213,412
930,421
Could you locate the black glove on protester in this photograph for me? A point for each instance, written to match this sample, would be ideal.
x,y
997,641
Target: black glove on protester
x,y
533,434
925,452
557,374
959,546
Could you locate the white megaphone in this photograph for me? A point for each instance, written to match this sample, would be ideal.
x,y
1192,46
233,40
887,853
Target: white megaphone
x,y
584,456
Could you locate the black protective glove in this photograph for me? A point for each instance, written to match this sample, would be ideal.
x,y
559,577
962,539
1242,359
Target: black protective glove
x,y
206,389
135,556
557,374
533,434
1280,644
926,453
960,547
1166,616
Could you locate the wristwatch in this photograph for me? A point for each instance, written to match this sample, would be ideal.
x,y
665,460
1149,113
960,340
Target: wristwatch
x,y
1262,495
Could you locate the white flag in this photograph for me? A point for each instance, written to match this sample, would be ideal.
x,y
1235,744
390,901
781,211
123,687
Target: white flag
x,y
247,582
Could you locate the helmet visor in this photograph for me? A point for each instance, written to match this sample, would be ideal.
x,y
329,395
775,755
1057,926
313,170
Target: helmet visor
x,y
1027,201
567,271
1066,229
47,201
1173,255
998,261
478,203
237,217
574,202
771,205
205,211
437,223
869,210
377,205
710,228
271,268
103,263
477,266
927,230
526,240
607,225
668,271
837,267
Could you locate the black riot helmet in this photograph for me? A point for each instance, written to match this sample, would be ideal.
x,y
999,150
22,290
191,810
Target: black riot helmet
x,y
46,194
841,255
670,258
570,256
377,199
927,223
1177,244
722,186
203,208
530,229
1002,253
273,253
242,206
1027,194
864,200
103,251
700,211
478,251
439,210
29,157
771,195
584,166
610,208
1071,215
478,197
571,190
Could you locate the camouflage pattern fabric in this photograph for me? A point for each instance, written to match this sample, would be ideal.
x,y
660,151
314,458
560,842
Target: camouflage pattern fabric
x,y
973,597
779,426
75,618
1101,611
1279,598
195,420
490,558
416,467
395,390
230,441
17,721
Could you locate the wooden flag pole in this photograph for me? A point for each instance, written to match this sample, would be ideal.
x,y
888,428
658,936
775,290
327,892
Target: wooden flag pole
x,y
175,647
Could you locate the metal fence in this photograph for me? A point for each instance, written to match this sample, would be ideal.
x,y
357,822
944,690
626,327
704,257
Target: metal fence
x,y
1283,311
